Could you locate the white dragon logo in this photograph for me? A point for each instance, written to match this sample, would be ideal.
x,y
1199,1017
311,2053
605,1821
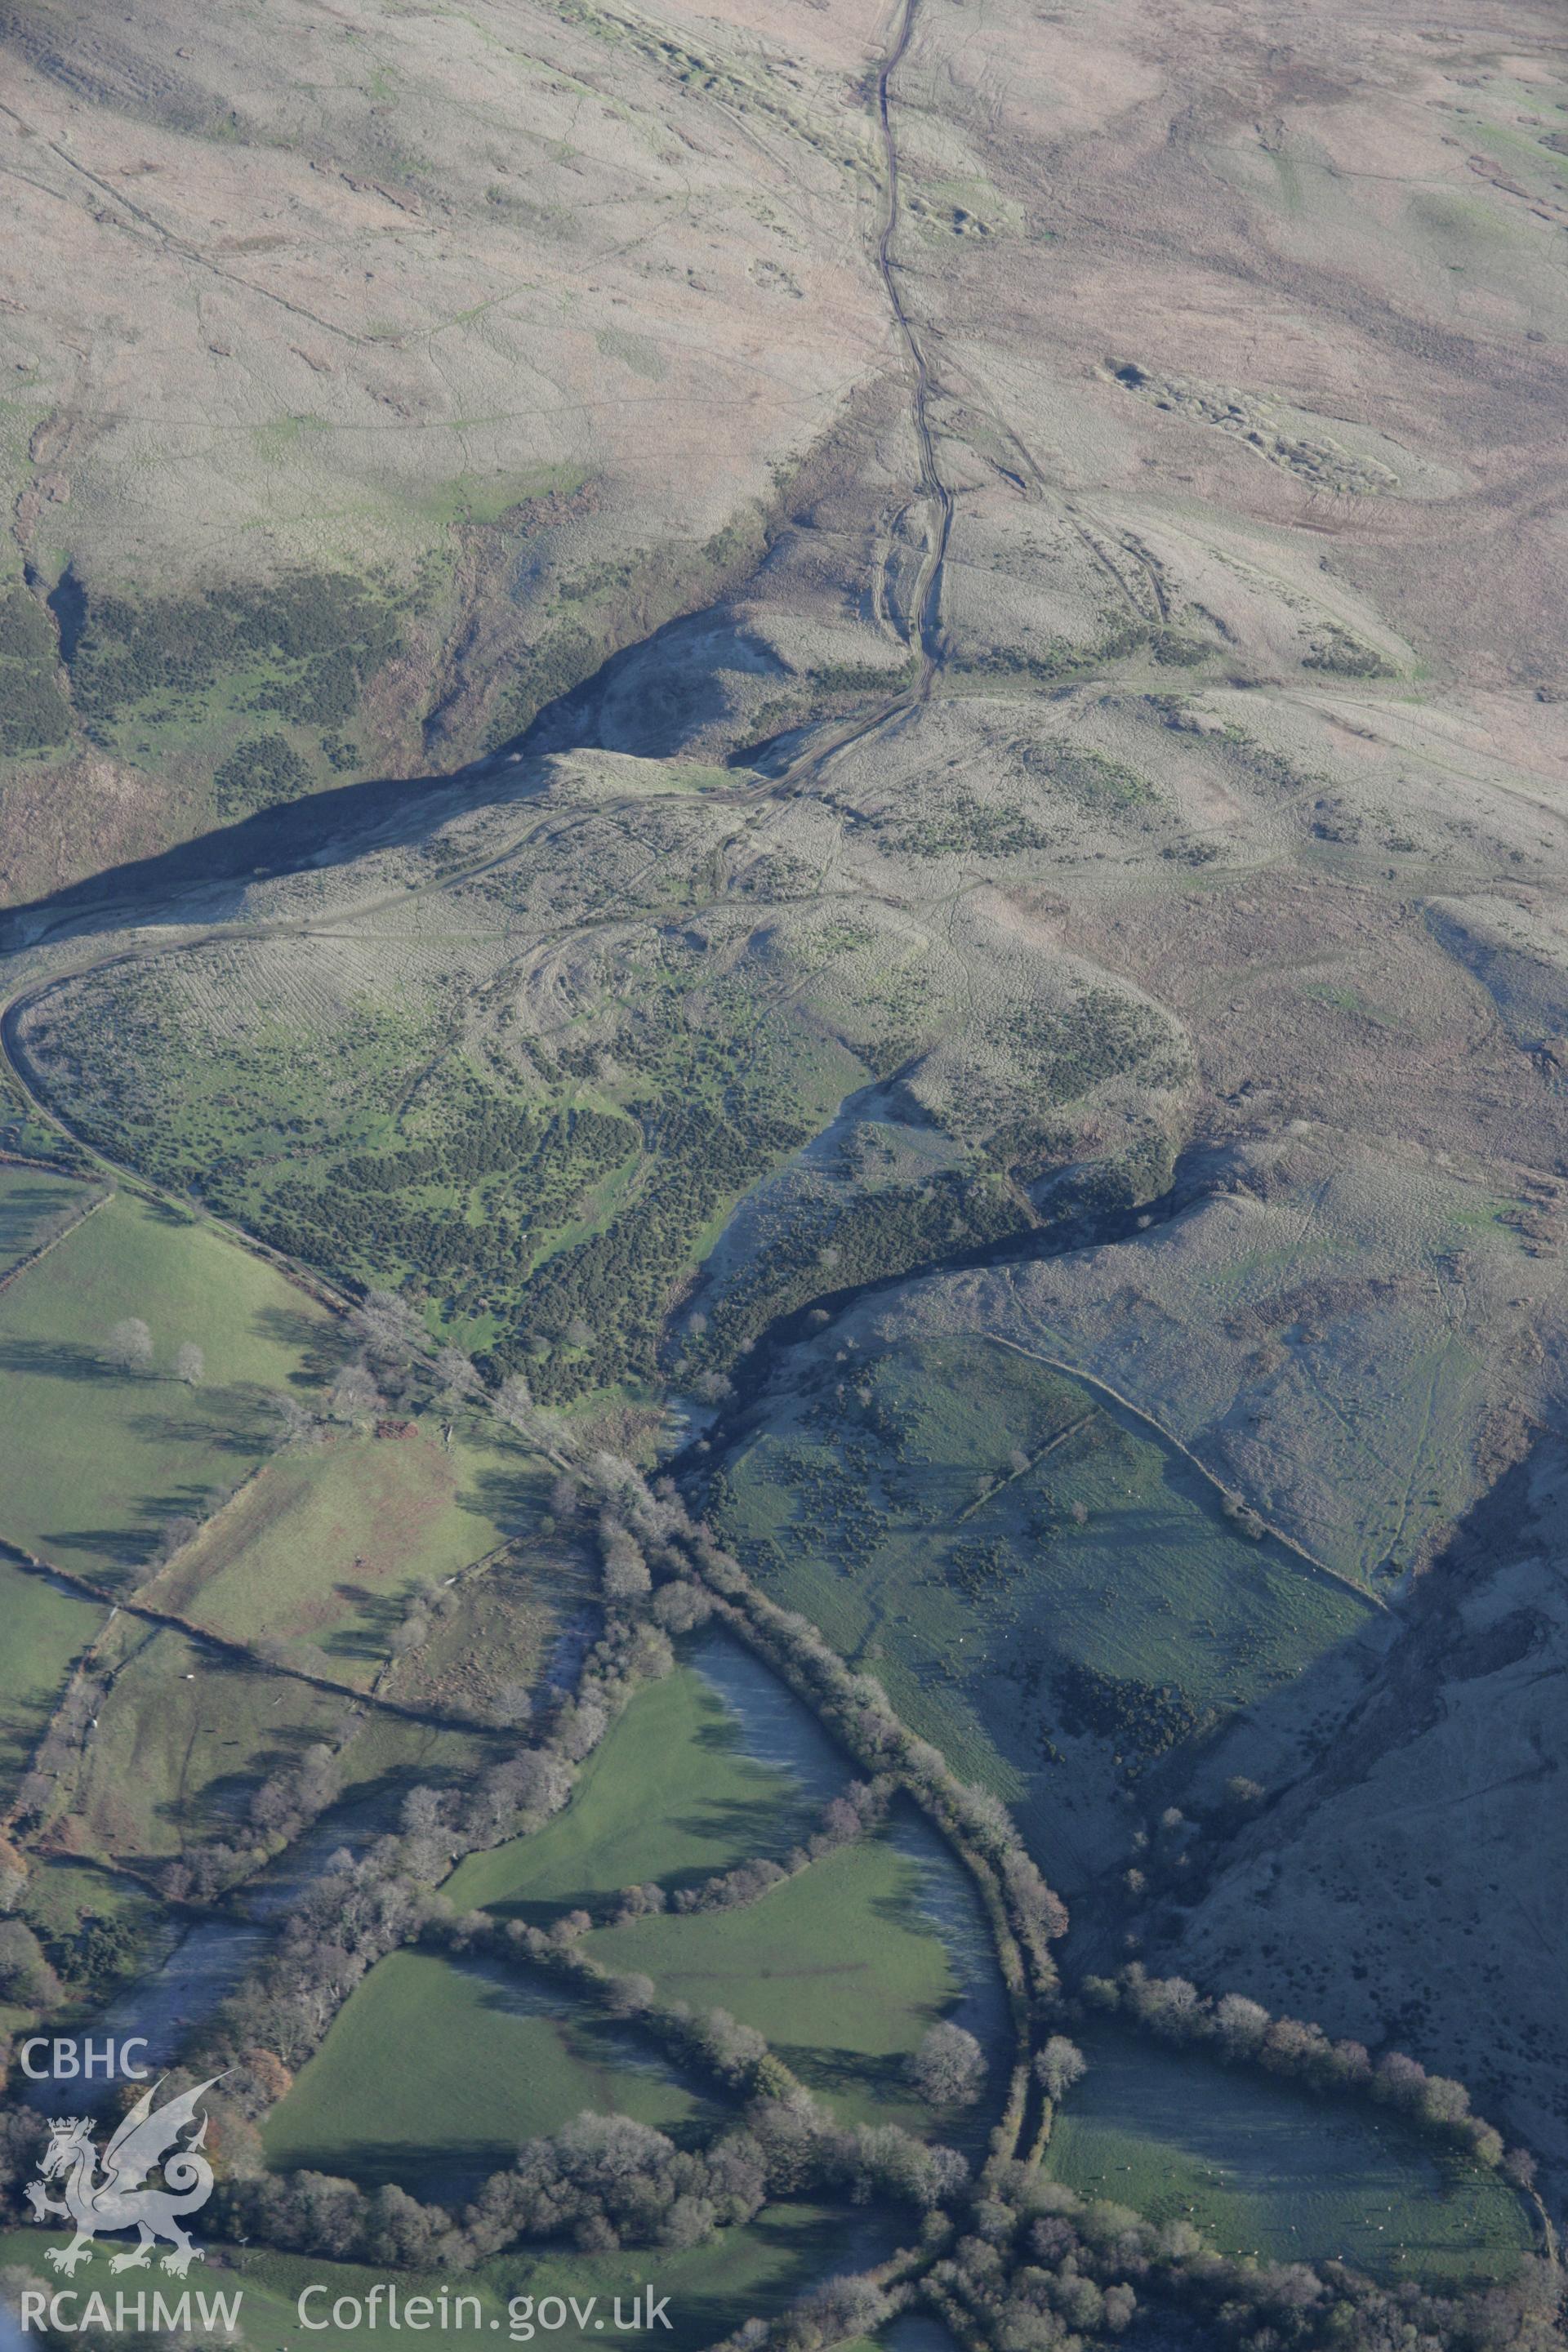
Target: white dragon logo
x,y
144,2139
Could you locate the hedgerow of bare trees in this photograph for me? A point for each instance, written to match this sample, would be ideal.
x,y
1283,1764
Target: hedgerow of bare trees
x,y
1011,2261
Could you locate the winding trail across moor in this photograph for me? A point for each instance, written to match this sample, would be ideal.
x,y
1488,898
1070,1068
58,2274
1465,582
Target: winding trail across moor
x,y
926,612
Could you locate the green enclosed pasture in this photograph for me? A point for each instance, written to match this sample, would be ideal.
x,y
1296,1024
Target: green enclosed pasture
x,y
92,1461
837,1967
1262,2167
326,1542
668,1794
711,2289
44,1629
33,1206
435,2068
186,1735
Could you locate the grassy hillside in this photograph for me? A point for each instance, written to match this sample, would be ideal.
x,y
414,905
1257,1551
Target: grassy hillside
x,y
32,1207
325,1543
45,1629
184,1739
1052,1594
144,1446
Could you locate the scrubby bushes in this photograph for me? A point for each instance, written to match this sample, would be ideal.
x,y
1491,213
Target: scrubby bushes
x,y
316,639
893,1230
262,773
26,1980
33,712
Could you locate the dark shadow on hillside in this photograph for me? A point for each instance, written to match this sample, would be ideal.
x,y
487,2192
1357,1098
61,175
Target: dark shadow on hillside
x,y
655,696
29,1211
377,1617
1396,1696
440,2174
724,1737
167,1212
125,1548
645,697
751,1825
901,1910
328,829
509,1498
850,2071
332,828
195,1422
315,1341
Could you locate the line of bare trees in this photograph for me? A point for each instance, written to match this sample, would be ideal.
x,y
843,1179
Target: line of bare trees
x,y
1243,2032
858,1809
1032,2269
700,1578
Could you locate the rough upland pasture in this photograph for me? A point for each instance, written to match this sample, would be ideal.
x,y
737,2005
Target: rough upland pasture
x,y
1056,1598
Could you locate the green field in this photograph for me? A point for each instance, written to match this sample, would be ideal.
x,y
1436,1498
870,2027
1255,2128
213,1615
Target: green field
x,y
669,1794
433,2069
711,2289
836,1968
185,1737
62,1893
1260,2167
46,1628
101,1930
323,1544
497,1631
32,1206
143,1446
1051,1594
